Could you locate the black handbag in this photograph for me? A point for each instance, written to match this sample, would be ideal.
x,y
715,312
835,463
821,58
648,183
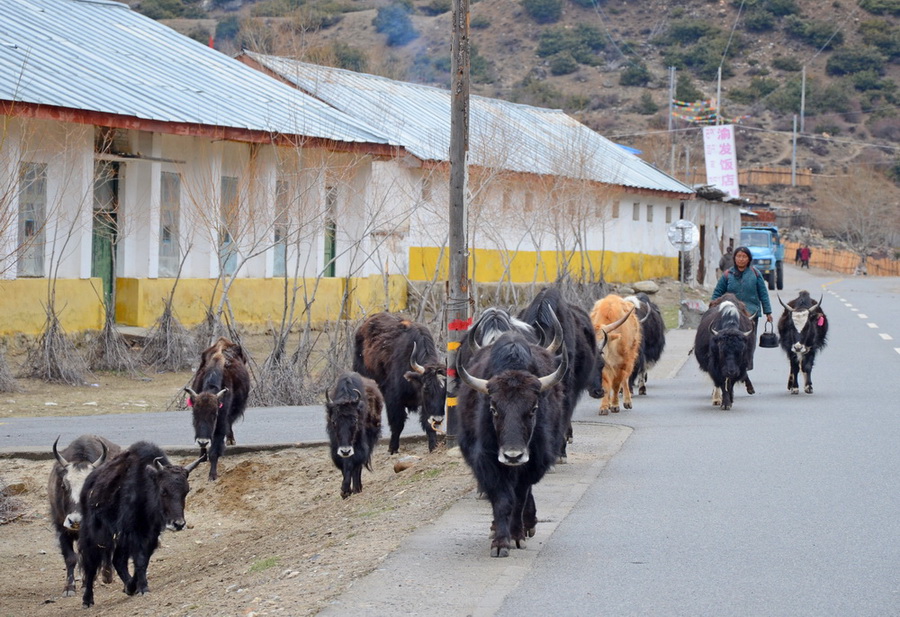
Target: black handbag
x,y
768,339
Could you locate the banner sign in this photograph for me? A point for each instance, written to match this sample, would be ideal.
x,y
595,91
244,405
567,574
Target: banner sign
x,y
721,158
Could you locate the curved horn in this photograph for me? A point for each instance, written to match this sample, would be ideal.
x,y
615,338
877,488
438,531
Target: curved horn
x,y
554,344
600,346
818,305
358,395
786,307
610,327
191,392
193,465
748,332
714,331
59,457
157,462
548,381
221,393
102,458
413,364
476,383
327,397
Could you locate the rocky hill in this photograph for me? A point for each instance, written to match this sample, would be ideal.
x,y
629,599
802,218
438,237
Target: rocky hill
x,y
606,63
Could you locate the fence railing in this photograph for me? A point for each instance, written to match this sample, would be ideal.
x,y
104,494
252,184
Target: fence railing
x,y
844,262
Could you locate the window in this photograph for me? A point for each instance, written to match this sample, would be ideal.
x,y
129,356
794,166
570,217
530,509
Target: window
x,y
228,223
330,231
636,212
668,214
32,219
169,216
649,213
282,202
615,209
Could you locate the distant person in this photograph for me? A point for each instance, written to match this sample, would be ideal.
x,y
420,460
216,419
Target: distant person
x,y
748,284
797,257
726,261
805,254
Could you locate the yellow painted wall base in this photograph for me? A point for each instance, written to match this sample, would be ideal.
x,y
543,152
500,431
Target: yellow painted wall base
x,y
139,302
23,305
490,266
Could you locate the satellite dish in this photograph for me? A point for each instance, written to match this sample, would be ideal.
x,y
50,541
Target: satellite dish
x,y
683,235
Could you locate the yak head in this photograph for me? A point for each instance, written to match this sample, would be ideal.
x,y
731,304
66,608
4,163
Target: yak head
x,y
799,313
514,398
71,476
344,421
205,409
172,484
430,381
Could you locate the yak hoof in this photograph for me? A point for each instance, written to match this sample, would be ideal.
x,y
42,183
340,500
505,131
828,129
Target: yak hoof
x,y
562,460
530,532
726,407
499,551
604,412
627,405
614,409
795,390
642,391
750,389
808,389
69,592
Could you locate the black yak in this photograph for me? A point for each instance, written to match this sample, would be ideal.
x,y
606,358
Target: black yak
x,y
353,424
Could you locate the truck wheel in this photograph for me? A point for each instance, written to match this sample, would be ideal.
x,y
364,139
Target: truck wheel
x,y
770,278
779,275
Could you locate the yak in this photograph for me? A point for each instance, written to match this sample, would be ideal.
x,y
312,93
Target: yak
x,y
619,340
803,330
512,423
73,466
724,345
126,504
353,424
386,347
653,340
218,398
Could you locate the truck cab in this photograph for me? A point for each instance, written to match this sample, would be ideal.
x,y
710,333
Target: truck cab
x,y
765,245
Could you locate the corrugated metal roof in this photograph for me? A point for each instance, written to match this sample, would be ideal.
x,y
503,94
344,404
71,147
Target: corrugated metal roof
x,y
501,134
100,56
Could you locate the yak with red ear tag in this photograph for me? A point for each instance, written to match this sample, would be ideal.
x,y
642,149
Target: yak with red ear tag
x,y
803,329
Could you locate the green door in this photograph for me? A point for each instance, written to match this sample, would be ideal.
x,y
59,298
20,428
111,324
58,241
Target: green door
x,y
330,247
105,228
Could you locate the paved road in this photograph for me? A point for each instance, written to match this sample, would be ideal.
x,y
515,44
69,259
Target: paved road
x,y
783,506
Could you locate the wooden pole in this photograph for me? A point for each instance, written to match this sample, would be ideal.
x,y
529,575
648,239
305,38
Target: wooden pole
x,y
457,306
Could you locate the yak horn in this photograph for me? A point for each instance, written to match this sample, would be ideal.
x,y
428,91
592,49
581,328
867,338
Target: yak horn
x,y
818,305
59,457
157,462
786,307
413,364
601,346
221,393
102,458
644,318
358,395
191,392
193,465
747,333
548,381
714,331
327,398
557,331
616,324
476,383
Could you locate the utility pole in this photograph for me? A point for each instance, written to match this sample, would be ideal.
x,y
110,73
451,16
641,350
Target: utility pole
x,y
671,120
457,304
719,97
794,154
802,97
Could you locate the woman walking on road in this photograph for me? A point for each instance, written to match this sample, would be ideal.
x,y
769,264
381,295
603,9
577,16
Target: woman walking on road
x,y
748,284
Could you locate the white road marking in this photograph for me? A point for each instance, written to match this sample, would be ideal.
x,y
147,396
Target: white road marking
x,y
897,349
855,310
872,325
848,305
861,316
886,336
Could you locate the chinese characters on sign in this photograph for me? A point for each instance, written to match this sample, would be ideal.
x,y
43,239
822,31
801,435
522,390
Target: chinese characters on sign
x,y
721,158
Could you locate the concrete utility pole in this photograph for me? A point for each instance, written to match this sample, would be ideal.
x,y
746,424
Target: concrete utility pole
x,y
457,306
671,120
802,99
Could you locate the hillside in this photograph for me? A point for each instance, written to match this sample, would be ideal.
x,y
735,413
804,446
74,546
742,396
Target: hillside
x,y
606,63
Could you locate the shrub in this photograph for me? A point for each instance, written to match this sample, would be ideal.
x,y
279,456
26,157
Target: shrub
x,y
437,7
228,28
786,63
819,34
635,74
853,60
646,106
170,9
880,34
685,89
581,43
687,31
781,8
885,127
543,11
759,21
480,22
758,88
563,64
881,7
393,20
587,3
350,58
